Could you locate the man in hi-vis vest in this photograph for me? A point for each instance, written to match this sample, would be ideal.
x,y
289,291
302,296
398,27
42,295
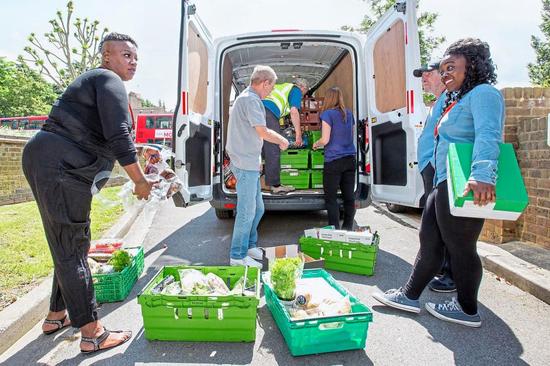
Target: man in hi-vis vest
x,y
285,99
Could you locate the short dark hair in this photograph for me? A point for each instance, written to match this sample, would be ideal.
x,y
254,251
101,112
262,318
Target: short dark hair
x,y
479,65
116,37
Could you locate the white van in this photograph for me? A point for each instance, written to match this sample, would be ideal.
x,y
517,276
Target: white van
x,y
376,76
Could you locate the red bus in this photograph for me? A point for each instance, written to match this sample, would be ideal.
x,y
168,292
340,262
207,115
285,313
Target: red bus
x,y
23,123
154,128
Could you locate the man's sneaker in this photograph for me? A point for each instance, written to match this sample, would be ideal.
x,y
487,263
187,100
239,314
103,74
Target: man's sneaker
x,y
451,311
442,284
282,189
246,261
397,299
255,253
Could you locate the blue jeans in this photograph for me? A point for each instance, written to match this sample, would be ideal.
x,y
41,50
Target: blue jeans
x,y
250,209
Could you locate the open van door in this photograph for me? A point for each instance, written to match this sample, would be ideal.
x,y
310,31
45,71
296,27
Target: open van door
x,y
395,105
193,127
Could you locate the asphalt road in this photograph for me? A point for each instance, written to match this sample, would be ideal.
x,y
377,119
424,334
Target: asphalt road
x,y
516,327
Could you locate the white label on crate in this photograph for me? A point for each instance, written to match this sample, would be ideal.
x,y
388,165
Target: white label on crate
x,y
341,254
285,166
349,254
294,174
220,314
322,250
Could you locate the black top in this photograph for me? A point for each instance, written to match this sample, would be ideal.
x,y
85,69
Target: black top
x,y
93,112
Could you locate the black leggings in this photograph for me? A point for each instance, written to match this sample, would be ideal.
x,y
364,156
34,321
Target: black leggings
x,y
60,180
340,173
440,230
428,177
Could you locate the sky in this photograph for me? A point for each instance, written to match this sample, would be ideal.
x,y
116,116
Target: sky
x,y
507,25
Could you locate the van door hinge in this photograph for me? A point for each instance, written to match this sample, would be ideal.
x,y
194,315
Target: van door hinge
x,y
178,164
191,9
401,7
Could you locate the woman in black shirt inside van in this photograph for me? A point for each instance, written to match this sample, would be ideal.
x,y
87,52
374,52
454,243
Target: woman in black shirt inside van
x,y
339,168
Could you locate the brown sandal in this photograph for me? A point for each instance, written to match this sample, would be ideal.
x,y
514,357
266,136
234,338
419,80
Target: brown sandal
x,y
60,325
97,341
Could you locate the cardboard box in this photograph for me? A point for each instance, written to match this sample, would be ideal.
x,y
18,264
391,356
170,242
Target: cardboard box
x,y
312,233
361,237
333,235
290,251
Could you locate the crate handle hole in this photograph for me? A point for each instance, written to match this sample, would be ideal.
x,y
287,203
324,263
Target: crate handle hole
x,y
329,326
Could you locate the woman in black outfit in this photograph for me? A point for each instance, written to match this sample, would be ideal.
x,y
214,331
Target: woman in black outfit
x,y
339,167
87,129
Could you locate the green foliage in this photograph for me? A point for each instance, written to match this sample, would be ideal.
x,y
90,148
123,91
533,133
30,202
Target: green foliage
x,y
539,72
146,103
426,20
120,259
24,254
284,273
23,92
56,57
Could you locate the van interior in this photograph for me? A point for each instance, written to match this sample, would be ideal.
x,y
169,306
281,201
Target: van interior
x,y
322,64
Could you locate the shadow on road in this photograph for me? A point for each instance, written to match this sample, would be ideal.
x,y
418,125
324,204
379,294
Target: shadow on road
x,y
205,240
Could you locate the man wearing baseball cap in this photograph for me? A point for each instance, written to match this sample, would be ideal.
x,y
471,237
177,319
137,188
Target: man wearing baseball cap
x,y
431,83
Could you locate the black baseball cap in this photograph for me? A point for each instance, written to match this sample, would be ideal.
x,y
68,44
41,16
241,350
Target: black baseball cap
x,y
429,67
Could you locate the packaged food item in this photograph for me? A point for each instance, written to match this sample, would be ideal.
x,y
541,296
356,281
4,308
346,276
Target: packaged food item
x,y
173,288
193,282
162,285
216,284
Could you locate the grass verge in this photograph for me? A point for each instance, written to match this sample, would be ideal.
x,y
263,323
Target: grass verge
x,y
24,254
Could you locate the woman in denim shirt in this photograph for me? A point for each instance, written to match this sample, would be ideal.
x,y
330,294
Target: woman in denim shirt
x,y
473,112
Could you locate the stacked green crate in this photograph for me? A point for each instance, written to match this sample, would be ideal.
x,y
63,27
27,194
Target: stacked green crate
x,y
316,179
298,178
317,159
295,159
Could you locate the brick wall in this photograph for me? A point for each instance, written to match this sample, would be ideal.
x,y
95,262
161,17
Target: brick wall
x,y
13,186
526,127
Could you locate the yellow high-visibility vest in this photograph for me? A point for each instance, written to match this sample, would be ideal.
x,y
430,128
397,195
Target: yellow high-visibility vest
x,y
279,96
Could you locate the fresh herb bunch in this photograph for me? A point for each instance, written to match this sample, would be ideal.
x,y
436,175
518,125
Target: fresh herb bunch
x,y
284,273
120,259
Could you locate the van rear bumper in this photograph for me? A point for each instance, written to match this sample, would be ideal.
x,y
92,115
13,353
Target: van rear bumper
x,y
222,201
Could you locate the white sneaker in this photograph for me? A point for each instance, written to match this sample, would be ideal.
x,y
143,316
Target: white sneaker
x,y
246,261
255,253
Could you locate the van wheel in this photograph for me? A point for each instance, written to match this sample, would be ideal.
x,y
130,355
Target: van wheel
x,y
224,214
395,208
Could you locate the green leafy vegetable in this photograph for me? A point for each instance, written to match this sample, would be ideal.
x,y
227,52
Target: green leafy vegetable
x,y
284,273
120,259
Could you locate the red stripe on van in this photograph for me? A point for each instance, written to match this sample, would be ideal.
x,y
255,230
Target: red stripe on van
x,y
406,34
412,101
184,103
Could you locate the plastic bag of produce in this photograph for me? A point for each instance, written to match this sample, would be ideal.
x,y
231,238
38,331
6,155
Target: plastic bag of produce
x,y
193,282
284,273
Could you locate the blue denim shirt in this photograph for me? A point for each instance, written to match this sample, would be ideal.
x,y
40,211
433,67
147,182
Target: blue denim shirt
x,y
426,141
477,118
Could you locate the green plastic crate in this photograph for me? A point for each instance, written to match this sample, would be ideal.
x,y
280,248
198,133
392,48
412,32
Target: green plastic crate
x,y
112,287
229,318
344,257
317,159
314,136
295,159
316,179
299,179
321,335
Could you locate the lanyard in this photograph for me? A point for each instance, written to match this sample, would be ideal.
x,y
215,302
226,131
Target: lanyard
x,y
436,129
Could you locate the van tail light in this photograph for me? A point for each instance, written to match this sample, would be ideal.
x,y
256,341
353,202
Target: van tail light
x,y
230,205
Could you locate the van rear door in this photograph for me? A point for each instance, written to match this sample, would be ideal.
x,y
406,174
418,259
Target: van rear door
x,y
193,127
395,107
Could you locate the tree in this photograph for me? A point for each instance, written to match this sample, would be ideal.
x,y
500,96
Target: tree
x,y
56,58
426,22
23,92
539,72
